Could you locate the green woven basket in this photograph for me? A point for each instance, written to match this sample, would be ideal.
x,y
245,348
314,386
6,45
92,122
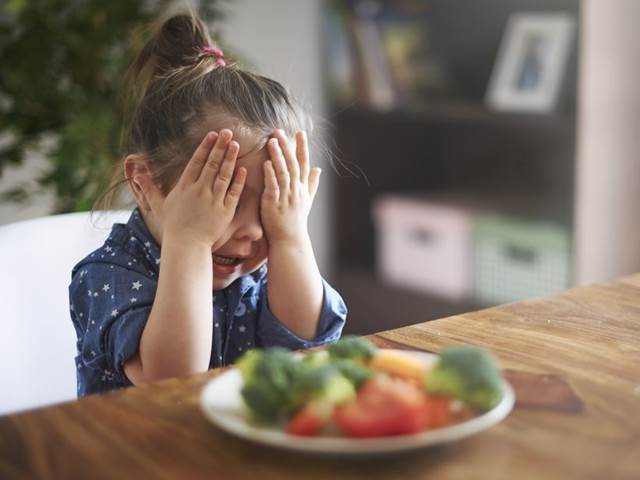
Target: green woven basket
x,y
516,259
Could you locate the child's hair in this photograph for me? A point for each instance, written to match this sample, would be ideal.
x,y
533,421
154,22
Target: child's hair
x,y
178,88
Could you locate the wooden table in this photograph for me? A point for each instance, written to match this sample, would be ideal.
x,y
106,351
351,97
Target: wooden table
x,y
573,358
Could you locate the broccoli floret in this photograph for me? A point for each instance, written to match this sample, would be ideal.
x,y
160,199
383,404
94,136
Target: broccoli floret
x,y
354,348
323,386
269,377
247,364
315,359
468,374
323,383
356,373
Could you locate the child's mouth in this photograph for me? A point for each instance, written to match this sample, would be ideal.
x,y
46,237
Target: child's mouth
x,y
221,260
223,265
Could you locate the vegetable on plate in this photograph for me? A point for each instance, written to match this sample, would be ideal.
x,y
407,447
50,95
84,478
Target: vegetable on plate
x,y
358,390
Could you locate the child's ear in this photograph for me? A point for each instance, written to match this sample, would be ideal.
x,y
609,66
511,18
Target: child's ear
x,y
135,165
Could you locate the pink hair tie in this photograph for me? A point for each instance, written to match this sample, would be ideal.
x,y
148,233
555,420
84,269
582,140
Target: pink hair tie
x,y
216,53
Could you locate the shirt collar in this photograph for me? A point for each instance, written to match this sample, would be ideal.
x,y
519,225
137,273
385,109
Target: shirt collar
x,y
141,232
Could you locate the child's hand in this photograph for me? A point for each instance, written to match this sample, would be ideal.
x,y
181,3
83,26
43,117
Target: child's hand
x,y
289,189
203,202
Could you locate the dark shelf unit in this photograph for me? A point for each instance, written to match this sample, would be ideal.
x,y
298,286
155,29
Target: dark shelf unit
x,y
519,164
375,305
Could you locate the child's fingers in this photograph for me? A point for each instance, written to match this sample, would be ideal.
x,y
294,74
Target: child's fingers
x,y
194,167
271,189
280,167
236,188
225,173
290,159
216,156
302,152
151,192
314,182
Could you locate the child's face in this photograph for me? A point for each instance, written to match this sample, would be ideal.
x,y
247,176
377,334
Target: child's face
x,y
244,242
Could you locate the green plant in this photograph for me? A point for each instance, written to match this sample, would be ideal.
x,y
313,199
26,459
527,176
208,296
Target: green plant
x,y
63,66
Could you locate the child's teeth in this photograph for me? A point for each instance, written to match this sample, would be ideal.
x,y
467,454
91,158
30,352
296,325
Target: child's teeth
x,y
224,260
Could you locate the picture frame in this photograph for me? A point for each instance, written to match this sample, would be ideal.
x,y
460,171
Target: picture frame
x,y
531,62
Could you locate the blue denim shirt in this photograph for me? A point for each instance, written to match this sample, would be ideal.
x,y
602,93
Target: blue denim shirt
x,y
111,295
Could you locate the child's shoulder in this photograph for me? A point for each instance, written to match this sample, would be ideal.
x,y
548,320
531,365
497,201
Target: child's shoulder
x,y
128,246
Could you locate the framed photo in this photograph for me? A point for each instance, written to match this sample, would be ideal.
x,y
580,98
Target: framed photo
x,y
531,62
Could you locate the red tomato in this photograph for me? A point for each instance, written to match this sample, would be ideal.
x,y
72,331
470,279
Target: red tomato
x,y
439,414
306,422
384,406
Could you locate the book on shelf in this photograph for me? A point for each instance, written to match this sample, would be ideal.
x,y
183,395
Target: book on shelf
x,y
380,53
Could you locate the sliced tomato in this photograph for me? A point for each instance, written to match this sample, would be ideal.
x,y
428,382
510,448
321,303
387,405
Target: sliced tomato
x,y
384,406
307,422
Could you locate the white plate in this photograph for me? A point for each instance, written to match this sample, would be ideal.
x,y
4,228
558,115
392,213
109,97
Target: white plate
x,y
222,403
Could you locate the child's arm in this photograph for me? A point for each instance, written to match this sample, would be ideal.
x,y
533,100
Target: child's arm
x,y
177,336
295,288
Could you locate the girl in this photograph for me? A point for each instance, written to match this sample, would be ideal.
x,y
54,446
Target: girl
x,y
218,162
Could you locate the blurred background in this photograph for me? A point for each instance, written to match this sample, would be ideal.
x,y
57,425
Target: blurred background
x,y
485,151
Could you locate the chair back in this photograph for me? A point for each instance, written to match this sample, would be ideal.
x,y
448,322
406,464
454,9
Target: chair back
x,y
37,339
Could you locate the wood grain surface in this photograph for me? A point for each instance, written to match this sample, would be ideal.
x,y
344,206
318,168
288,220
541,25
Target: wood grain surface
x,y
573,359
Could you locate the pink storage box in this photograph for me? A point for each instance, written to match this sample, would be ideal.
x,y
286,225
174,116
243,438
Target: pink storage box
x,y
424,245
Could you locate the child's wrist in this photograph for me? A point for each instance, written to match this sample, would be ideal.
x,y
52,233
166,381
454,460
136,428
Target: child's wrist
x,y
182,241
296,242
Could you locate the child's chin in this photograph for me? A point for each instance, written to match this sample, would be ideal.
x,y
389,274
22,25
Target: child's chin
x,y
222,283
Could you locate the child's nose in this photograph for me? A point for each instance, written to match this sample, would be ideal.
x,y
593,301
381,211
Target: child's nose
x,y
249,229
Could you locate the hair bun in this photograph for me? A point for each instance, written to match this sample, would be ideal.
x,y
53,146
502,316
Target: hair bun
x,y
179,39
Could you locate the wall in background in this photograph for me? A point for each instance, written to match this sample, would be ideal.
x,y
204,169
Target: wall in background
x,y
281,39
608,180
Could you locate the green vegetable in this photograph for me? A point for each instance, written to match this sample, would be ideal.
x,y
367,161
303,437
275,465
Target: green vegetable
x,y
354,348
356,373
269,377
468,374
323,386
277,384
315,359
247,364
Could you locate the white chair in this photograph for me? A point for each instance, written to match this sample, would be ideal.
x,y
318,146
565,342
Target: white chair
x,y
37,338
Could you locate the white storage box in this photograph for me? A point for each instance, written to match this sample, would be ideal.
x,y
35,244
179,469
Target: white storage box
x,y
424,245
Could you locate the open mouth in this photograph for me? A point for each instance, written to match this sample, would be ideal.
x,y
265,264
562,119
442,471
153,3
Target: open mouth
x,y
227,261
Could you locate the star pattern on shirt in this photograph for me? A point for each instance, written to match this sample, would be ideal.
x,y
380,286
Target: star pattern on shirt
x,y
107,249
105,287
114,313
136,285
